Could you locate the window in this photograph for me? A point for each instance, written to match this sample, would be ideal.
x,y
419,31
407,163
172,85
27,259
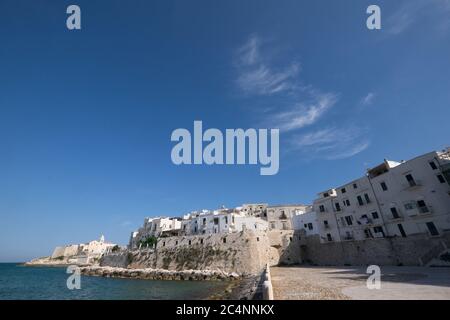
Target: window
x,y
224,240
402,231
349,220
375,215
338,206
176,242
355,186
347,203
410,206
378,230
383,186
201,241
226,220
440,178
310,226
432,228
422,206
368,233
433,165
410,180
321,208
366,196
190,241
360,201
343,190
305,225
325,195
394,212
325,223
329,238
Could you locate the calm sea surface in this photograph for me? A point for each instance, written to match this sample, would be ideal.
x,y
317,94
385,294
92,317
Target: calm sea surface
x,y
42,283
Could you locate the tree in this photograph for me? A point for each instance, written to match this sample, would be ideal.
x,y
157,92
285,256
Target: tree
x,y
150,241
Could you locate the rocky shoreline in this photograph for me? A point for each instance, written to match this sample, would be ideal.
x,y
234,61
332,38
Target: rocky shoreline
x,y
47,261
241,287
159,274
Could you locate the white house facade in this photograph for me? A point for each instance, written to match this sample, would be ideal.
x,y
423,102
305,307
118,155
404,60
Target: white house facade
x,y
394,199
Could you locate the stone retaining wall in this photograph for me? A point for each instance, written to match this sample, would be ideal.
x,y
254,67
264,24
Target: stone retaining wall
x,y
245,252
410,251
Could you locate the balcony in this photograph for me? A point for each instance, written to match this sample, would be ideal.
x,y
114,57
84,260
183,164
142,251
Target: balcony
x,y
365,220
420,211
412,185
424,210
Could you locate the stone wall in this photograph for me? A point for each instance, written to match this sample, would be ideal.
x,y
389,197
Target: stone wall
x,y
245,252
411,251
283,249
248,252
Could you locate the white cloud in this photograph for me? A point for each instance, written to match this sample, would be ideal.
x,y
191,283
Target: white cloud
x,y
332,143
368,99
248,54
302,114
412,11
256,77
297,106
262,80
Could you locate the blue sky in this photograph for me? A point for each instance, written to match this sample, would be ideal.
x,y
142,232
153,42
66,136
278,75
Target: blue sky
x,y
86,116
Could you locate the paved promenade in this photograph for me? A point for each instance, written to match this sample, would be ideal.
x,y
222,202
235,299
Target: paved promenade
x,y
397,283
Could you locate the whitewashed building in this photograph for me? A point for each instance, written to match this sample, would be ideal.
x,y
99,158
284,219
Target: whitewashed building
x,y
394,199
307,221
254,209
220,221
280,216
154,227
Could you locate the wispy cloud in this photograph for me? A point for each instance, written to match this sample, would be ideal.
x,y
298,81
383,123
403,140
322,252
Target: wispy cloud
x,y
412,11
332,143
298,106
368,99
256,77
264,81
304,114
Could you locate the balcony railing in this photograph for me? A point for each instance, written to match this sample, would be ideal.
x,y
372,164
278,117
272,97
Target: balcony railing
x,y
412,184
424,209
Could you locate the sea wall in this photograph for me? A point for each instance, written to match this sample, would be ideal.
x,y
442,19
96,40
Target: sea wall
x,y
248,252
158,274
414,250
245,252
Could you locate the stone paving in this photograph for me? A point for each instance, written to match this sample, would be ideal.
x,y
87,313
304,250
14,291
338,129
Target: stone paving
x,y
341,283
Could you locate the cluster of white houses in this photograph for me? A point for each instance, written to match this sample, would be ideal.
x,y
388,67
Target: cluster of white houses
x,y
257,216
392,199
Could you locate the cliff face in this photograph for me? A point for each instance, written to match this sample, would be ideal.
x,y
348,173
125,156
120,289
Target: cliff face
x,y
246,252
